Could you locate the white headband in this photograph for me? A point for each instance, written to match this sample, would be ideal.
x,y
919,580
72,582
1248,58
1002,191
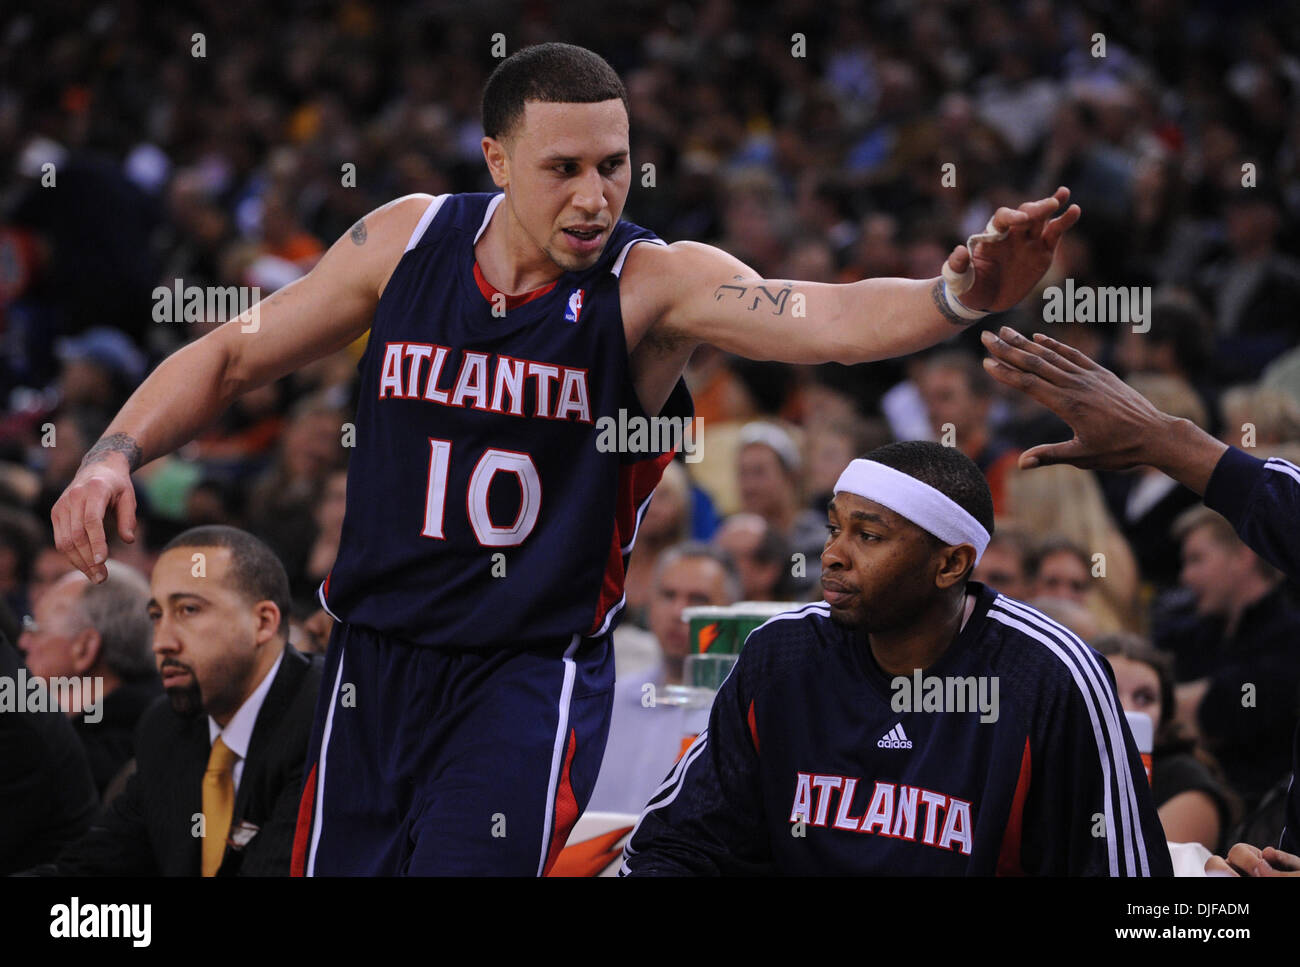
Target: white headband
x,y
920,503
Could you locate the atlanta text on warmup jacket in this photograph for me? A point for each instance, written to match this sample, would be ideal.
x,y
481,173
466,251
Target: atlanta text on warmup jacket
x,y
1011,757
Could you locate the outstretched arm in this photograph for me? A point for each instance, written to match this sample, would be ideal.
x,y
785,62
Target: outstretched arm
x,y
316,315
705,295
1115,426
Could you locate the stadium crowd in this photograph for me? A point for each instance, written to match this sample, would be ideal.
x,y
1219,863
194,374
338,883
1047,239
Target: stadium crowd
x,y
227,144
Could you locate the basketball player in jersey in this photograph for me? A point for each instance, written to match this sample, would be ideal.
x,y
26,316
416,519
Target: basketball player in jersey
x,y
468,684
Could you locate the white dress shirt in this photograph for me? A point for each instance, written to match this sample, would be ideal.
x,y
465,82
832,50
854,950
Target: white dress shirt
x,y
239,730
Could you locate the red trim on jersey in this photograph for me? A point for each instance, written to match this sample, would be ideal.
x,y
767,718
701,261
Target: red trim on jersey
x,y
512,301
302,831
566,808
325,590
753,725
1009,855
636,482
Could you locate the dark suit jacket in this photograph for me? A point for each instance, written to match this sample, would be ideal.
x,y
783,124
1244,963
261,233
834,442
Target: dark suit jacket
x,y
149,829
47,796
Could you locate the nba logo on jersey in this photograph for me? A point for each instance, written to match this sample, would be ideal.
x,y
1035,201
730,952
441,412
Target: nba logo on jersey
x,y
575,306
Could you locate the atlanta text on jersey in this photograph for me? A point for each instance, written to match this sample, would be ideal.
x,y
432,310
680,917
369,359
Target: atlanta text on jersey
x,y
652,434
930,693
484,381
894,811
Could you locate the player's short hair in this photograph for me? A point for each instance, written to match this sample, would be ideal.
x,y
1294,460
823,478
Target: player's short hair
x,y
255,571
552,73
946,469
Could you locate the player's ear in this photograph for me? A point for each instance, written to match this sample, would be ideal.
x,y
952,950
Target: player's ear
x,y
954,563
498,161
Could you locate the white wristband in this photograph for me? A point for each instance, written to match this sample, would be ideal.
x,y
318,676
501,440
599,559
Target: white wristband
x,y
955,283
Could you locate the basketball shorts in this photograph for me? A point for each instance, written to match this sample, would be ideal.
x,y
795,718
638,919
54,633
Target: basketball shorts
x,y
450,762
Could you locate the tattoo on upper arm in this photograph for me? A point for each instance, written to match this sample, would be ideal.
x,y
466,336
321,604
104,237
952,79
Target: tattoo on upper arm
x,y
945,310
358,232
122,443
757,294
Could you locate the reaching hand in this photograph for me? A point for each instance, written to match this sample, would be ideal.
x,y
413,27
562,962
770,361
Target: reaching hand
x,y
1115,427
1007,269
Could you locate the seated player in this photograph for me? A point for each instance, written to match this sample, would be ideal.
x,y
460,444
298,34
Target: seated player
x,y
916,722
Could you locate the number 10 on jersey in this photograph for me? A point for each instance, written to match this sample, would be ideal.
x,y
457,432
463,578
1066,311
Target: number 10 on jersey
x,y
492,462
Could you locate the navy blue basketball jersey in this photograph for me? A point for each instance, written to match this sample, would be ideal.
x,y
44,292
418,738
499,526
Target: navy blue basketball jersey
x,y
1010,755
481,512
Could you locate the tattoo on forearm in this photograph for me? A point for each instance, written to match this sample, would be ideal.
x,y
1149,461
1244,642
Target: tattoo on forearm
x,y
122,443
759,296
358,233
945,310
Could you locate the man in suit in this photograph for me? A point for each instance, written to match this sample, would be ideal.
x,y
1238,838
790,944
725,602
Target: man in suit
x,y
220,761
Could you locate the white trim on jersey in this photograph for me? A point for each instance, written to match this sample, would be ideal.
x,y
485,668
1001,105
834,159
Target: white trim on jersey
x,y
487,217
557,754
617,267
318,819
625,550
424,221
676,778
822,608
1113,716
1283,466
320,594
636,527
1100,703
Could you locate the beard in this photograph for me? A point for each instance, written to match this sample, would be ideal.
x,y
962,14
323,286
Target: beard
x,y
186,700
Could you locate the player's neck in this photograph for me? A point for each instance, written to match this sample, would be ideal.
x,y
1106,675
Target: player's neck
x,y
508,258
924,642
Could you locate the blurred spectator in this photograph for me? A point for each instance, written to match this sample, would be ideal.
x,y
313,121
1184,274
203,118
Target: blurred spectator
x,y
689,575
328,519
50,565
1235,659
1007,563
1064,501
759,553
1258,416
20,536
1253,288
1062,570
98,633
47,795
646,730
958,395
1194,803
768,474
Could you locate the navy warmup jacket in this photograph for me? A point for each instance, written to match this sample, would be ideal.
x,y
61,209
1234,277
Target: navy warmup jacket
x,y
1013,757
1261,498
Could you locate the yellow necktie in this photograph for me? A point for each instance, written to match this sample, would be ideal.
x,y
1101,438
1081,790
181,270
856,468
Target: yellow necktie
x,y
218,804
